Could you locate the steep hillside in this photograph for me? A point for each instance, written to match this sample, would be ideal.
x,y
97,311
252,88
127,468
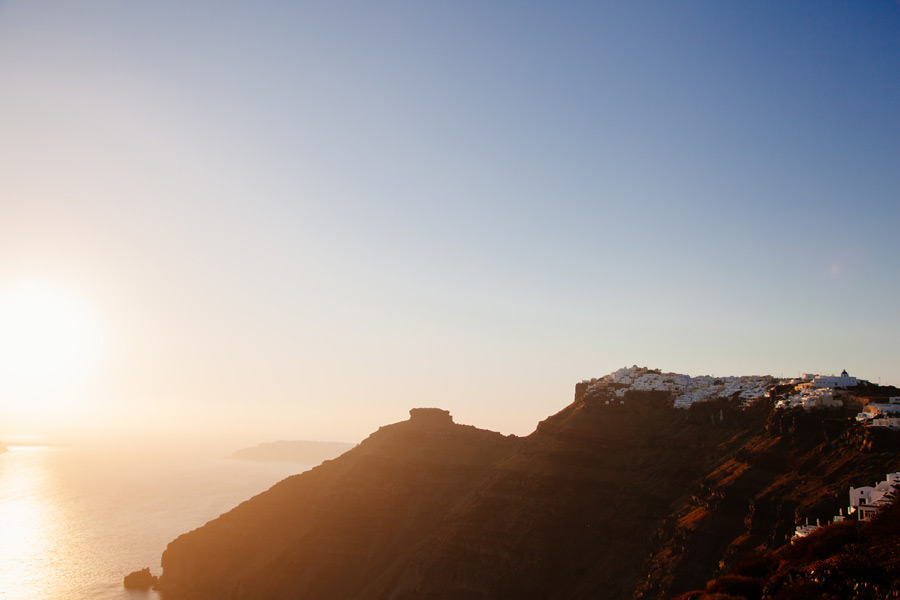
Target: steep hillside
x,y
801,465
604,500
335,531
575,511
851,559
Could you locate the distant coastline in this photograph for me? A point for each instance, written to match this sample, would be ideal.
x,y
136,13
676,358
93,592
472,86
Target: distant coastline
x,y
8,445
296,451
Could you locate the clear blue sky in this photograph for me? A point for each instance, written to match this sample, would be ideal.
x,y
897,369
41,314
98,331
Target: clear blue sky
x,y
302,219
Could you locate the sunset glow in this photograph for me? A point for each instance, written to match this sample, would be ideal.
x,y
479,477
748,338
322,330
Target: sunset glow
x,y
503,289
49,343
356,210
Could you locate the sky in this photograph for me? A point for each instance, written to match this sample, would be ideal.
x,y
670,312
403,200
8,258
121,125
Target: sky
x,y
300,220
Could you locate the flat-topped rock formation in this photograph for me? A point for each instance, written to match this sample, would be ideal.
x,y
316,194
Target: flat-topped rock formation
x,y
431,416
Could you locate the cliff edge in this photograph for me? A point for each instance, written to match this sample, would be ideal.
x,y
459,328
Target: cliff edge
x,y
344,529
603,501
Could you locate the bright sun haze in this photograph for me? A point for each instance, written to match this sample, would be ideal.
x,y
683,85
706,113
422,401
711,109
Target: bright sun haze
x,y
49,345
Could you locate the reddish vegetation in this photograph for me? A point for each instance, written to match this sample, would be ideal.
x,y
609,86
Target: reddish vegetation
x,y
602,501
844,560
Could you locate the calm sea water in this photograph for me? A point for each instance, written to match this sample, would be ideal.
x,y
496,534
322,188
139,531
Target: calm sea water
x,y
74,522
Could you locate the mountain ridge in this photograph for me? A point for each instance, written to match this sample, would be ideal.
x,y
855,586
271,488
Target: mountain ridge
x,y
602,501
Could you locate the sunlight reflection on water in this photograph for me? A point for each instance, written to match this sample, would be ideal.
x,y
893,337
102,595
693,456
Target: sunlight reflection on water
x,y
73,524
29,522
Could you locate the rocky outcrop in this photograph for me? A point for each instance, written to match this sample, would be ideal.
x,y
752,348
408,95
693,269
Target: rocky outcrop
x,y
435,417
344,529
140,580
603,501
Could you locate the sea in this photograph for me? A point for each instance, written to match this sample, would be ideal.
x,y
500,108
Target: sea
x,y
74,521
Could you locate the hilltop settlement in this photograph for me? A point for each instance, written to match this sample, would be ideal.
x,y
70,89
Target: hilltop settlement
x,y
808,391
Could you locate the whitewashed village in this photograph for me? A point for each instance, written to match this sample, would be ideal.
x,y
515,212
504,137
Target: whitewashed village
x,y
685,389
808,391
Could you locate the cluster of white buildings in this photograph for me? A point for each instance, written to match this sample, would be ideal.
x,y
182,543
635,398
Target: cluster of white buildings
x,y
808,398
684,389
817,391
878,414
865,501
810,391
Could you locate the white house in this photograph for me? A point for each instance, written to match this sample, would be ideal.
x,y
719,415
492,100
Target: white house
x,y
867,511
878,409
868,499
880,415
842,381
805,530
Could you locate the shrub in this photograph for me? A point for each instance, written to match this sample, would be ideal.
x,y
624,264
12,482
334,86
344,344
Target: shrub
x,y
822,543
737,585
694,595
757,564
802,590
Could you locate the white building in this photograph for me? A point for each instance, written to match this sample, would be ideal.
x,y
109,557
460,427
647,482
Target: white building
x,y
867,499
685,389
877,409
841,381
820,398
805,530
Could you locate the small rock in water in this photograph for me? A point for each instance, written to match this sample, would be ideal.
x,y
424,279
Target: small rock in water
x,y
140,580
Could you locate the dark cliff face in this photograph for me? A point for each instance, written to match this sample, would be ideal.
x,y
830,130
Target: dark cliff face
x,y
602,501
791,466
850,559
343,528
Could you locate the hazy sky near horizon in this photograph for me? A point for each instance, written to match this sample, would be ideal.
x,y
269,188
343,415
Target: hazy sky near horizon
x,y
299,220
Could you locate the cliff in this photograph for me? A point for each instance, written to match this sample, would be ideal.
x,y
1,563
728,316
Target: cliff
x,y
342,529
850,559
300,451
601,501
